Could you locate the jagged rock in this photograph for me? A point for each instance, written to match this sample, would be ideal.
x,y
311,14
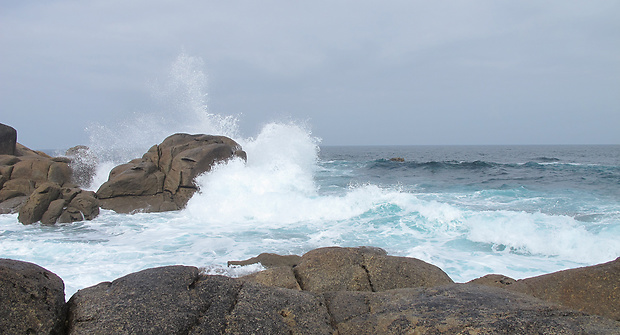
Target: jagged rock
x,y
180,300
457,309
8,139
16,188
592,289
269,260
49,203
38,203
53,212
364,269
83,206
32,299
22,173
163,179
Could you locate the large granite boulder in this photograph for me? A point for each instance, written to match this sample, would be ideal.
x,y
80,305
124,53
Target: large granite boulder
x,y
8,139
32,299
163,179
179,300
592,289
51,204
456,309
350,269
183,300
38,203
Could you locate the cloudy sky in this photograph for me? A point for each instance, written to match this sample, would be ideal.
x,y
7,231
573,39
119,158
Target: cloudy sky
x,y
357,72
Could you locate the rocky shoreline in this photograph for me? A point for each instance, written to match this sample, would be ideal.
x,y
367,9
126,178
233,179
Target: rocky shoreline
x,y
49,189
325,291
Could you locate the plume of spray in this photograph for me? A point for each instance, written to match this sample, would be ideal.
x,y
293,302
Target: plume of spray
x,y
181,107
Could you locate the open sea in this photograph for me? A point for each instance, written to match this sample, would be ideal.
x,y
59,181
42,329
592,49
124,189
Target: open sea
x,y
520,211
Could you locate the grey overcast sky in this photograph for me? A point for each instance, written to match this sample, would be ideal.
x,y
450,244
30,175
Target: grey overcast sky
x,y
358,72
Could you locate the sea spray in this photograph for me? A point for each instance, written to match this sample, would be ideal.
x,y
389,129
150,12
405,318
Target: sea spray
x,y
181,107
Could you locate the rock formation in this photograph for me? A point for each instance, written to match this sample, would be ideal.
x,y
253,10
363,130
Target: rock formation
x,y
353,269
32,299
593,289
183,300
31,181
8,140
44,188
40,188
163,179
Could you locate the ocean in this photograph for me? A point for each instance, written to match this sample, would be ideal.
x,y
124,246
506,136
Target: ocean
x,y
520,211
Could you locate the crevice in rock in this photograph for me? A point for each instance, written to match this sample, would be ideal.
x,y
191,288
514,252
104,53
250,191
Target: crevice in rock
x,y
202,310
372,287
232,306
298,279
196,279
367,302
332,320
236,299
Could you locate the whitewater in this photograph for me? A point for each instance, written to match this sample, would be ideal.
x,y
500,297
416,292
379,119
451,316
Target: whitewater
x,y
471,210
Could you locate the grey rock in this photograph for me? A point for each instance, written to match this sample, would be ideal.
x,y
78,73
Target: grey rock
x,y
32,299
457,309
273,310
282,276
152,301
179,300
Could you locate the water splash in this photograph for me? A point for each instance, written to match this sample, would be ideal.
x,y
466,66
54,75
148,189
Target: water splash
x,y
181,107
